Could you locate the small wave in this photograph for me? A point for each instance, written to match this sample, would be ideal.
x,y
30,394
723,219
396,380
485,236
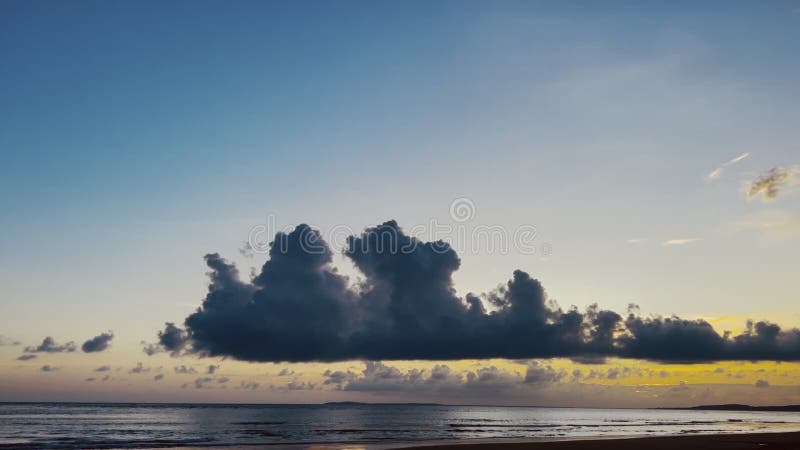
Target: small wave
x,y
266,422
510,425
364,430
263,433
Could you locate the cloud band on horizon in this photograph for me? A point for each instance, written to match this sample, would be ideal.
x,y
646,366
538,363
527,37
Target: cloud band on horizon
x,y
299,308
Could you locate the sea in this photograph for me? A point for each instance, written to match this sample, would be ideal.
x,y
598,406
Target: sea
x,y
95,426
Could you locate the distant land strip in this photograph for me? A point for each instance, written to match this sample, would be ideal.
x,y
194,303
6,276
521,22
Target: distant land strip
x,y
737,407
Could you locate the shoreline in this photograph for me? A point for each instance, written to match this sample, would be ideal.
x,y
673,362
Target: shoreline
x,y
738,441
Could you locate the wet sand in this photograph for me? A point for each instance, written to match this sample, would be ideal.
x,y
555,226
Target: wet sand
x,y
783,441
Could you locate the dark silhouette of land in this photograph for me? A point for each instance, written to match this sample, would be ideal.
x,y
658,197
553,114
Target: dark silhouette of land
x,y
737,407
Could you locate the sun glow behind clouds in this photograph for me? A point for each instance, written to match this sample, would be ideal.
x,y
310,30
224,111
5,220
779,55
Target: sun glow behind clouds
x,y
557,382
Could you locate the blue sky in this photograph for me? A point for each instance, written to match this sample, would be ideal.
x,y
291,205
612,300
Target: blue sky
x,y
136,137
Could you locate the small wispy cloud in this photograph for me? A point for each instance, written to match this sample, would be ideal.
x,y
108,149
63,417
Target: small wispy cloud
x,y
737,159
247,250
714,175
636,241
773,224
717,172
682,241
768,185
6,341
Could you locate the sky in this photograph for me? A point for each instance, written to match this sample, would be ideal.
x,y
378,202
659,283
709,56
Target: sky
x,y
630,153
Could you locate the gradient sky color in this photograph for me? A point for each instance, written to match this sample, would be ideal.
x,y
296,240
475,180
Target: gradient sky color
x,y
137,137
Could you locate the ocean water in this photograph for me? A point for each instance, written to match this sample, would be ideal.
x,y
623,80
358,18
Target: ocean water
x,y
54,425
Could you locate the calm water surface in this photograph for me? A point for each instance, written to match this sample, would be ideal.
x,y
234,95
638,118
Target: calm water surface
x,y
50,425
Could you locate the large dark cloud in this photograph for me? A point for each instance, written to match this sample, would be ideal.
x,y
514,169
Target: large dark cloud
x,y
98,343
299,308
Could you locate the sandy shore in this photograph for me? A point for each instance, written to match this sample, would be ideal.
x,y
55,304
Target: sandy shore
x,y
687,442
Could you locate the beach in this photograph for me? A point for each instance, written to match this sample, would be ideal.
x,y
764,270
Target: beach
x,y
684,442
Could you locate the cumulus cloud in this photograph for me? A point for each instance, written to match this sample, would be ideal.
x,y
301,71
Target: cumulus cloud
x,y
49,345
300,308
172,338
48,368
616,373
151,349
200,383
295,386
378,376
185,370
208,382
249,385
540,374
103,369
441,380
536,383
762,384
211,369
98,343
769,184
338,377
158,377
26,357
139,368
